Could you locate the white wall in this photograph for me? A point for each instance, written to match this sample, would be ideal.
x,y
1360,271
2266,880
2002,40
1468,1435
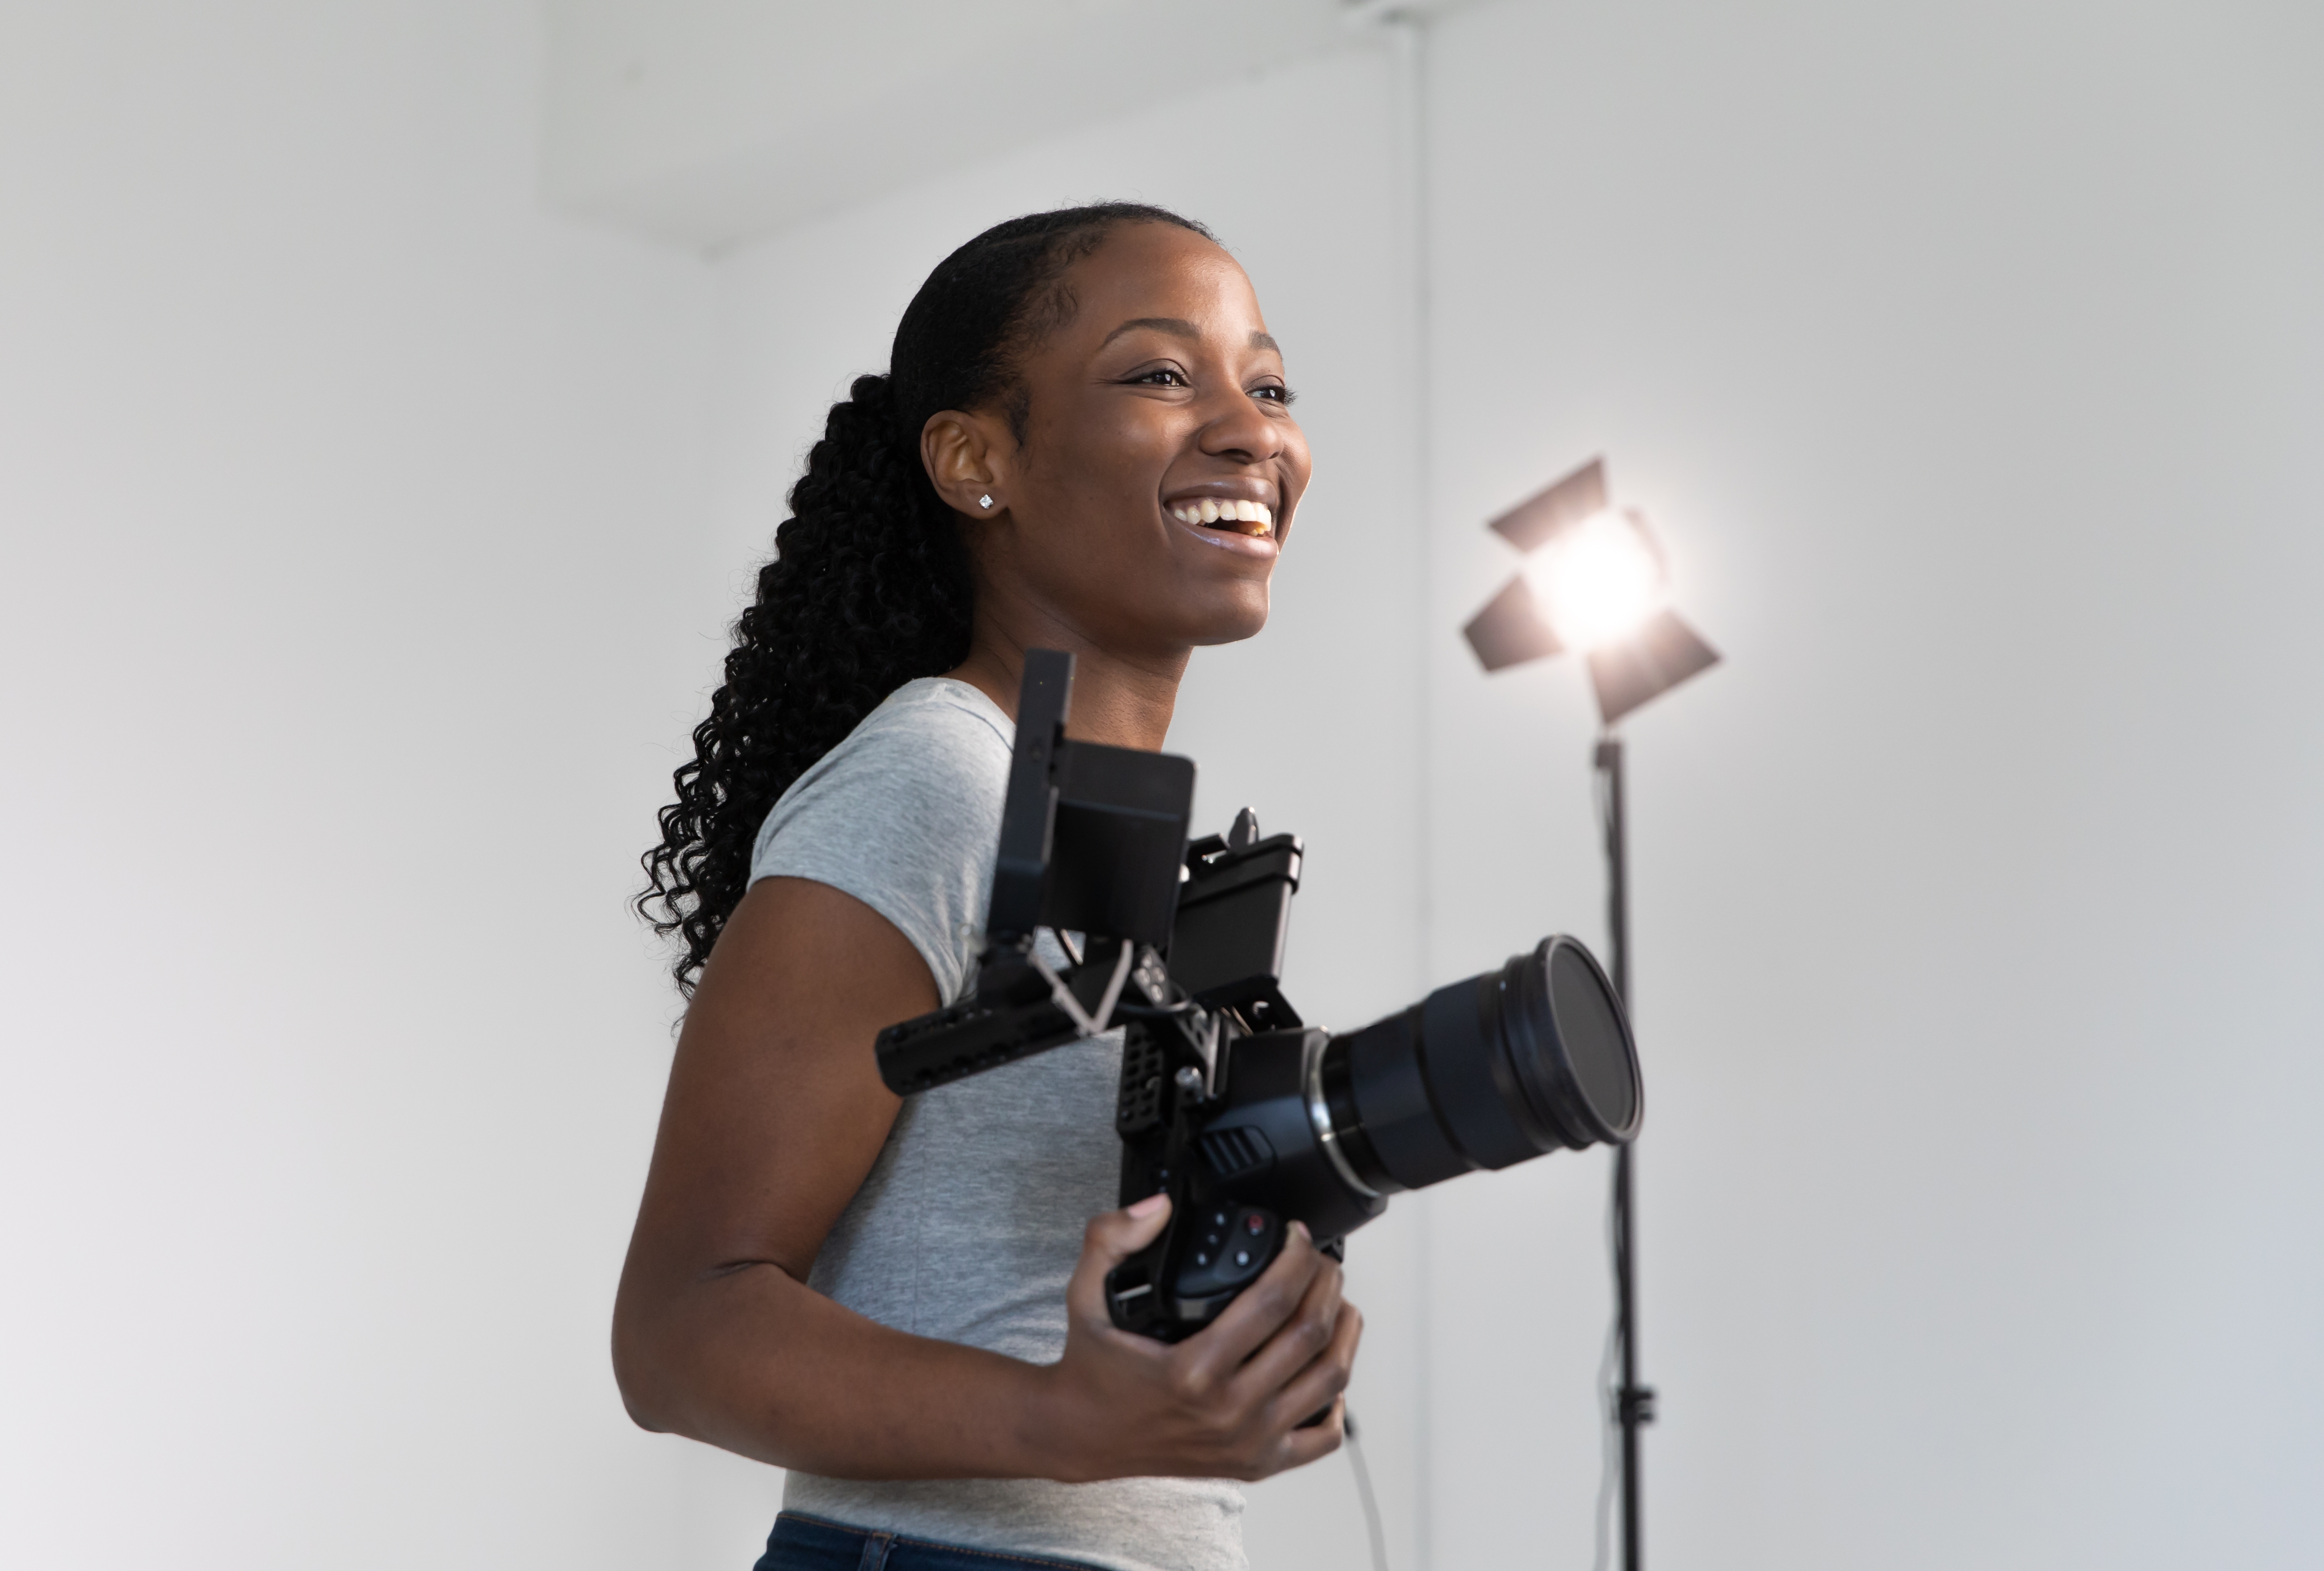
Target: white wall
x,y
350,508
1969,356
354,510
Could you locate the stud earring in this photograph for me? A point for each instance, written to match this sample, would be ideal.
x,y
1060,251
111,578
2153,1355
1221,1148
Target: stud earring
x,y
986,500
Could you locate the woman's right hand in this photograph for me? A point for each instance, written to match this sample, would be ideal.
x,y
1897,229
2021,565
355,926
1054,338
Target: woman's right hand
x,y
1227,1401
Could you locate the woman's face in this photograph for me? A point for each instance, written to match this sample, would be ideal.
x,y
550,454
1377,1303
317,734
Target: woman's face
x,y
1160,466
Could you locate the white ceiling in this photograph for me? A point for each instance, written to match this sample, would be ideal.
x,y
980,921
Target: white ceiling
x,y
708,122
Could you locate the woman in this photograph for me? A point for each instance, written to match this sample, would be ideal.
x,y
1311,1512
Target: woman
x,y
1083,443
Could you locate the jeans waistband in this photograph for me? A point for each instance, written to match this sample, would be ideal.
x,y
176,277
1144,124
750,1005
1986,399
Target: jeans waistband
x,y
804,1543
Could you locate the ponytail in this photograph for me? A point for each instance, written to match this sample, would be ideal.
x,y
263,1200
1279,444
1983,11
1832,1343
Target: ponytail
x,y
869,585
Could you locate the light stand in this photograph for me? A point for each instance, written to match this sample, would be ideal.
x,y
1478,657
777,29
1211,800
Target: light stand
x,y
1594,579
1634,1403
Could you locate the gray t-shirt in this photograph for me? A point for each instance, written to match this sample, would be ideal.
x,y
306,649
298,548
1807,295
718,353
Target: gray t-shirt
x,y
971,1221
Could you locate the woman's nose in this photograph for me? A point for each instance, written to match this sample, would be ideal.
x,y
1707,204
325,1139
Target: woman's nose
x,y
1239,431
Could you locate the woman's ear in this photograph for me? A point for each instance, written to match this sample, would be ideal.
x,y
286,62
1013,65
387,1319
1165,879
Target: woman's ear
x,y
966,458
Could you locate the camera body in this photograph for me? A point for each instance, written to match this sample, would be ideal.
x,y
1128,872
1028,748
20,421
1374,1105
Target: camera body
x,y
1219,1107
1245,1116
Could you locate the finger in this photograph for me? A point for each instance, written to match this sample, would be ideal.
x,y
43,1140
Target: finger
x,y
1111,1238
1259,1311
1299,1340
1318,1385
1301,1447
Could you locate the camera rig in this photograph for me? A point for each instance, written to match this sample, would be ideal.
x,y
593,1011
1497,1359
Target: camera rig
x,y
1181,945
1229,1102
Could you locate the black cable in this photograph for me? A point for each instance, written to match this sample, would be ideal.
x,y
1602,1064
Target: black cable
x,y
1364,1491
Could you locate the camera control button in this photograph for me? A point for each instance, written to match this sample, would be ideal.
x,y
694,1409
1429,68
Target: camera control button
x,y
1254,1223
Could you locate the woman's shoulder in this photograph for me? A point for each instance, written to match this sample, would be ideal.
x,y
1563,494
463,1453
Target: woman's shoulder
x,y
936,747
904,815
931,735
935,711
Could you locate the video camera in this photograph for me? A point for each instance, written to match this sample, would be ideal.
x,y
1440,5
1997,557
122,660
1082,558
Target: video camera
x,y
1248,1118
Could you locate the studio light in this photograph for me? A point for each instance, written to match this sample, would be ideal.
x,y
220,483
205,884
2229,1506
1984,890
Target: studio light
x,y
1597,581
1594,580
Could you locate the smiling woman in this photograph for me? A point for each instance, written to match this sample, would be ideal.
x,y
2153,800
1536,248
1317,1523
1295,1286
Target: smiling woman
x,y
1084,442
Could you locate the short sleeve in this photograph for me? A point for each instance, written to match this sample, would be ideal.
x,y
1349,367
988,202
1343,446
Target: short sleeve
x,y
905,815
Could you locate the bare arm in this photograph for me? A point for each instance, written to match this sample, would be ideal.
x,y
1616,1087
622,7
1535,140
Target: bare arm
x,y
774,1115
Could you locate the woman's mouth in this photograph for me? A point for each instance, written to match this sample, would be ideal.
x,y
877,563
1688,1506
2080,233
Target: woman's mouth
x,y
1251,518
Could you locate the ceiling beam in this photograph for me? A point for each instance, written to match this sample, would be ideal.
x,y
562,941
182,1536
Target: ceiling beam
x,y
709,122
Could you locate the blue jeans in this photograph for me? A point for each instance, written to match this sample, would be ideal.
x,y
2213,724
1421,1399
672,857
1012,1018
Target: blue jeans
x,y
811,1544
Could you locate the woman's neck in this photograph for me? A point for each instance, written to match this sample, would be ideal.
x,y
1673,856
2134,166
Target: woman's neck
x,y
1122,701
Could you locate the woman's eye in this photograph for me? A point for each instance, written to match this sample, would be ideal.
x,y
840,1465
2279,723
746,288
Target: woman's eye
x,y
1275,391
1162,377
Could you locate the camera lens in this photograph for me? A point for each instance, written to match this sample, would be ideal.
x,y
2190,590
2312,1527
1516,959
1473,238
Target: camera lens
x,y
1485,1073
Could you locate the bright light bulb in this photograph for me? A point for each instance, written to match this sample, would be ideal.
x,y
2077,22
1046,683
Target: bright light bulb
x,y
1596,581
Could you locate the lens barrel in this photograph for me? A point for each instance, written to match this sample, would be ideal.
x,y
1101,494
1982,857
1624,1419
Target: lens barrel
x,y
1485,1073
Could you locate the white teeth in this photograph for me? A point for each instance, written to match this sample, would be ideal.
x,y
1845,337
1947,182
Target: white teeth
x,y
1231,510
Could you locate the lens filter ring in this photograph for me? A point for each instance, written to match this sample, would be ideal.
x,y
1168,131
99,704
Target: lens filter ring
x,y
1570,1044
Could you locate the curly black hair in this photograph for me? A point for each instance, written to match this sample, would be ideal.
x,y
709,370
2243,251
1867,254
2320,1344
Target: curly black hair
x,y
869,585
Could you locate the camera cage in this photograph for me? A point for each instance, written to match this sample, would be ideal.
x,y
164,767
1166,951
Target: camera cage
x,y
1093,848
1227,1102
1181,943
